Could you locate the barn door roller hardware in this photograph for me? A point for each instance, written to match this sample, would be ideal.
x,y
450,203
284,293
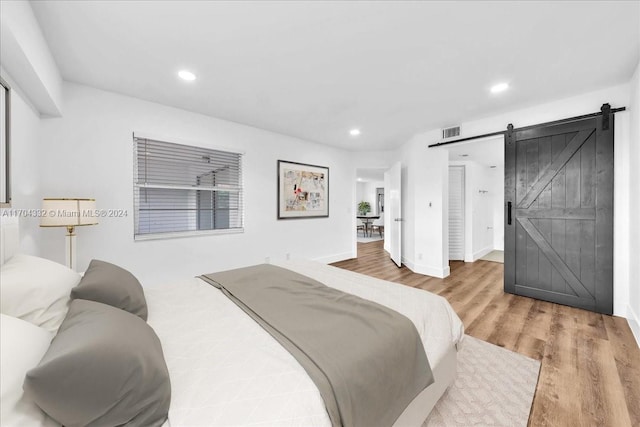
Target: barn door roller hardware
x,y
509,133
606,112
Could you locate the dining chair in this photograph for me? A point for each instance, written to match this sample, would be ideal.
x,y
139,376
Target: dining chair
x,y
360,226
379,225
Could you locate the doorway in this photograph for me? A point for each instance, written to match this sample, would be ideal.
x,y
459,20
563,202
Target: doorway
x,y
475,200
369,186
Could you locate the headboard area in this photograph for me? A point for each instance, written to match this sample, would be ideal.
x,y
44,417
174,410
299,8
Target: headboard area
x,y
9,238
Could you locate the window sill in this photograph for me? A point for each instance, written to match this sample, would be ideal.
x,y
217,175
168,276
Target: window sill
x,y
180,234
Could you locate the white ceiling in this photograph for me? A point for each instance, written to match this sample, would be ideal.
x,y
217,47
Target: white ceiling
x,y
316,69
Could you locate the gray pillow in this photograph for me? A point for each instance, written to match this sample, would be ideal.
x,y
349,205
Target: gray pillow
x,y
105,367
109,284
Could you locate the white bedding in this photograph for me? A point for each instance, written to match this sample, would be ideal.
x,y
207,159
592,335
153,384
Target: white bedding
x,y
227,371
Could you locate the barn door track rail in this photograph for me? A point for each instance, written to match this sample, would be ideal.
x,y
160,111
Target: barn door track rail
x,y
605,112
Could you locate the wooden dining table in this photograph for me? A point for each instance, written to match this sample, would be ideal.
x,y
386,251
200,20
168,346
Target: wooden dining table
x,y
367,220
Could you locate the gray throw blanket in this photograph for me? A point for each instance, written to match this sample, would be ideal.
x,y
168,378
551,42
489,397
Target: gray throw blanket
x,y
367,360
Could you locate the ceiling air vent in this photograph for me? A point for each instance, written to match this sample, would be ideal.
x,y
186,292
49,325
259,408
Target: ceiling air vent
x,y
451,132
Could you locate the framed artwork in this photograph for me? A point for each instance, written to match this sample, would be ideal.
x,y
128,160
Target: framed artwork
x,y
303,190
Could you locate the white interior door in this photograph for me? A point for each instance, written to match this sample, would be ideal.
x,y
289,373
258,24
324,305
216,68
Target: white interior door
x,y
456,213
394,212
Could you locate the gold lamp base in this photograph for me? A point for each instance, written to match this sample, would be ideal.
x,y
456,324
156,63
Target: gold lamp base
x,y
70,243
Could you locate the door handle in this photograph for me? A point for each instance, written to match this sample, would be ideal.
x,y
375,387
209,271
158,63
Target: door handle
x,y
398,219
508,213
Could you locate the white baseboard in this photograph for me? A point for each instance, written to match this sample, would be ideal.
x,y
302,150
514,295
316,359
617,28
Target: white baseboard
x,y
334,258
634,323
427,270
409,264
478,254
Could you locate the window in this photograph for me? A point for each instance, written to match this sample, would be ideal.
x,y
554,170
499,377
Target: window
x,y
181,190
5,122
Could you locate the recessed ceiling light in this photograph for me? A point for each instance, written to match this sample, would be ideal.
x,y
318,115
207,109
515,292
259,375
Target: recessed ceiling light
x,y
500,87
359,179
186,75
354,132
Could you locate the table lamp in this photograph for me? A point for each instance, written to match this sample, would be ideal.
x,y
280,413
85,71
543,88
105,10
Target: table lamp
x,y
68,213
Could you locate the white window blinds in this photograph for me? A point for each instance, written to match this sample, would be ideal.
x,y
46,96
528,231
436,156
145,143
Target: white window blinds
x,y
5,193
181,189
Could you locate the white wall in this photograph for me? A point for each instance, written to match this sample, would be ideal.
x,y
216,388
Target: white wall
x,y
425,206
496,187
633,309
427,166
381,160
25,174
89,153
360,191
481,194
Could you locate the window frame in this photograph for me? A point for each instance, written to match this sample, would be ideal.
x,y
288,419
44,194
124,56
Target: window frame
x,y
5,168
194,144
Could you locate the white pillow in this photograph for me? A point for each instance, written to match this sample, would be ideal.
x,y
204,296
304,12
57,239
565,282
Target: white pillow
x,y
36,290
22,345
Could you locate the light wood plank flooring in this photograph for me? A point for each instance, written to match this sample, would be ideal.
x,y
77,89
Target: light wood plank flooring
x,y
590,363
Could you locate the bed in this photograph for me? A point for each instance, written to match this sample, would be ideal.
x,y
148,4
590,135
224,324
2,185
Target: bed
x,y
226,370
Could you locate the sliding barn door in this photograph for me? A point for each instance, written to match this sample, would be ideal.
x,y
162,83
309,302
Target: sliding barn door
x,y
559,214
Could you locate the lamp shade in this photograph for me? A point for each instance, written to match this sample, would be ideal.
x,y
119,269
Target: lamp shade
x,y
68,212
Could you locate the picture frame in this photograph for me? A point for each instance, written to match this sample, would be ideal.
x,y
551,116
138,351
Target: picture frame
x,y
303,190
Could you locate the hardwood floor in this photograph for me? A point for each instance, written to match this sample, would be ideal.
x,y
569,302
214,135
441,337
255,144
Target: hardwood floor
x,y
590,363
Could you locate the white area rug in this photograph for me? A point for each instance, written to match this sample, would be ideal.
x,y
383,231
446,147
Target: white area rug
x,y
495,387
373,238
495,256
